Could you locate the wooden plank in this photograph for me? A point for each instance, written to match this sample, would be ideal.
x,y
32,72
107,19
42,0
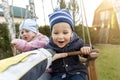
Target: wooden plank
x,y
92,74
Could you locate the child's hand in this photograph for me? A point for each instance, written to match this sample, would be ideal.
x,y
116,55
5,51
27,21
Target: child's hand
x,y
14,42
85,50
60,55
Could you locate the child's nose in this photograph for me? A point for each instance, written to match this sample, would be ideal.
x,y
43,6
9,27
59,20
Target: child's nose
x,y
60,36
24,34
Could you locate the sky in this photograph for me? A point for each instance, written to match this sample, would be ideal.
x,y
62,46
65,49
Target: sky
x,y
90,6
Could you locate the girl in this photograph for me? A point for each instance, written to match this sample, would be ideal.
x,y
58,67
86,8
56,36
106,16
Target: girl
x,y
30,37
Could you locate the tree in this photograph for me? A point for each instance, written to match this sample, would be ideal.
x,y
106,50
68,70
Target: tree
x,y
73,7
62,4
9,20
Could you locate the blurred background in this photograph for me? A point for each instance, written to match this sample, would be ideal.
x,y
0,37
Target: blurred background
x,y
97,22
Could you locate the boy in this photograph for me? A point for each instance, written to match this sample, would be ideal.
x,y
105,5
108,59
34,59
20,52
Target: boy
x,y
64,39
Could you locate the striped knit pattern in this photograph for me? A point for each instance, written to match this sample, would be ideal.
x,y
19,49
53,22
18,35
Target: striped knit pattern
x,y
58,16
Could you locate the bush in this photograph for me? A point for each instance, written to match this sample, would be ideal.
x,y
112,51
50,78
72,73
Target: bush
x,y
5,48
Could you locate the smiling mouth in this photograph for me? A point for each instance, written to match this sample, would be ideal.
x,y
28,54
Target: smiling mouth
x,y
25,37
61,41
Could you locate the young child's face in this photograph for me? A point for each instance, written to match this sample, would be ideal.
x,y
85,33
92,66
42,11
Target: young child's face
x,y
61,34
27,35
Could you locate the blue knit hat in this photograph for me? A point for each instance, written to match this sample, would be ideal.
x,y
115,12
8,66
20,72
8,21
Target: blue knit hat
x,y
29,24
61,15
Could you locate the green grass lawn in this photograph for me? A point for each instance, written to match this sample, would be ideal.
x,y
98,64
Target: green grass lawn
x,y
108,62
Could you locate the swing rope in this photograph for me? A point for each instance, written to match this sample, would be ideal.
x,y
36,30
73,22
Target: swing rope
x,y
32,9
88,33
83,30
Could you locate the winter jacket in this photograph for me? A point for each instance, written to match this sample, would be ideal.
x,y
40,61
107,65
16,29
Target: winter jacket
x,y
26,66
39,41
70,64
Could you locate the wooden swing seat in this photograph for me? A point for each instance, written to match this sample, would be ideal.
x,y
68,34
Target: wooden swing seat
x,y
89,62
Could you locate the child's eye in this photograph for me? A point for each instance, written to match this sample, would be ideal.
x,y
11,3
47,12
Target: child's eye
x,y
22,32
65,32
55,32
